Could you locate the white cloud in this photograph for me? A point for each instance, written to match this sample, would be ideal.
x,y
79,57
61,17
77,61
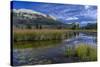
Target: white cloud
x,y
87,7
91,13
72,18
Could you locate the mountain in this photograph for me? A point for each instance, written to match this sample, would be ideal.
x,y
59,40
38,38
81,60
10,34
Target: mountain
x,y
24,17
90,26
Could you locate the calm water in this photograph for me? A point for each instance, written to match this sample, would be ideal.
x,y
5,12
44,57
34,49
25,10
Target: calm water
x,y
47,52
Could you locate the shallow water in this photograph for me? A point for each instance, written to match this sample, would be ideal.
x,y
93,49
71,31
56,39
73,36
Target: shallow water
x,y
47,52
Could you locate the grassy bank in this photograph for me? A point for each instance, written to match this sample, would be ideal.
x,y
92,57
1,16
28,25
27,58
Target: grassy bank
x,y
43,34
20,35
83,52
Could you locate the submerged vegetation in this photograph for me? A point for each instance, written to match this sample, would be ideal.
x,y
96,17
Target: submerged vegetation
x,y
83,52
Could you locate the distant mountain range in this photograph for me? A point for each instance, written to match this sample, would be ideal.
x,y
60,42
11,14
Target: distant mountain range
x,y
25,16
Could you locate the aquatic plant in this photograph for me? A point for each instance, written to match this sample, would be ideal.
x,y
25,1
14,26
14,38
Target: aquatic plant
x,y
82,51
69,52
86,52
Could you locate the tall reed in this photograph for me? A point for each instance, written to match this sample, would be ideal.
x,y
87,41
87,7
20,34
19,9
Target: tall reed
x,y
22,35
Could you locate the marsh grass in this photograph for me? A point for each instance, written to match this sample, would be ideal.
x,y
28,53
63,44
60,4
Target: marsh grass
x,y
29,35
42,34
83,52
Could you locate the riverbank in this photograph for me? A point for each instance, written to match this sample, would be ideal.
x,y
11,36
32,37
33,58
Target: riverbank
x,y
44,34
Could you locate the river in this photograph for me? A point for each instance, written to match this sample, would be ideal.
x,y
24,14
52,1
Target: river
x,y
47,52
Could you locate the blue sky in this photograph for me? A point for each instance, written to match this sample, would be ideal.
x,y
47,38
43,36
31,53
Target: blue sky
x,y
64,12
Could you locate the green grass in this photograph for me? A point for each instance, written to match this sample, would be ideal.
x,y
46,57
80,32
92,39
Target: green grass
x,y
43,34
38,36
28,35
83,52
